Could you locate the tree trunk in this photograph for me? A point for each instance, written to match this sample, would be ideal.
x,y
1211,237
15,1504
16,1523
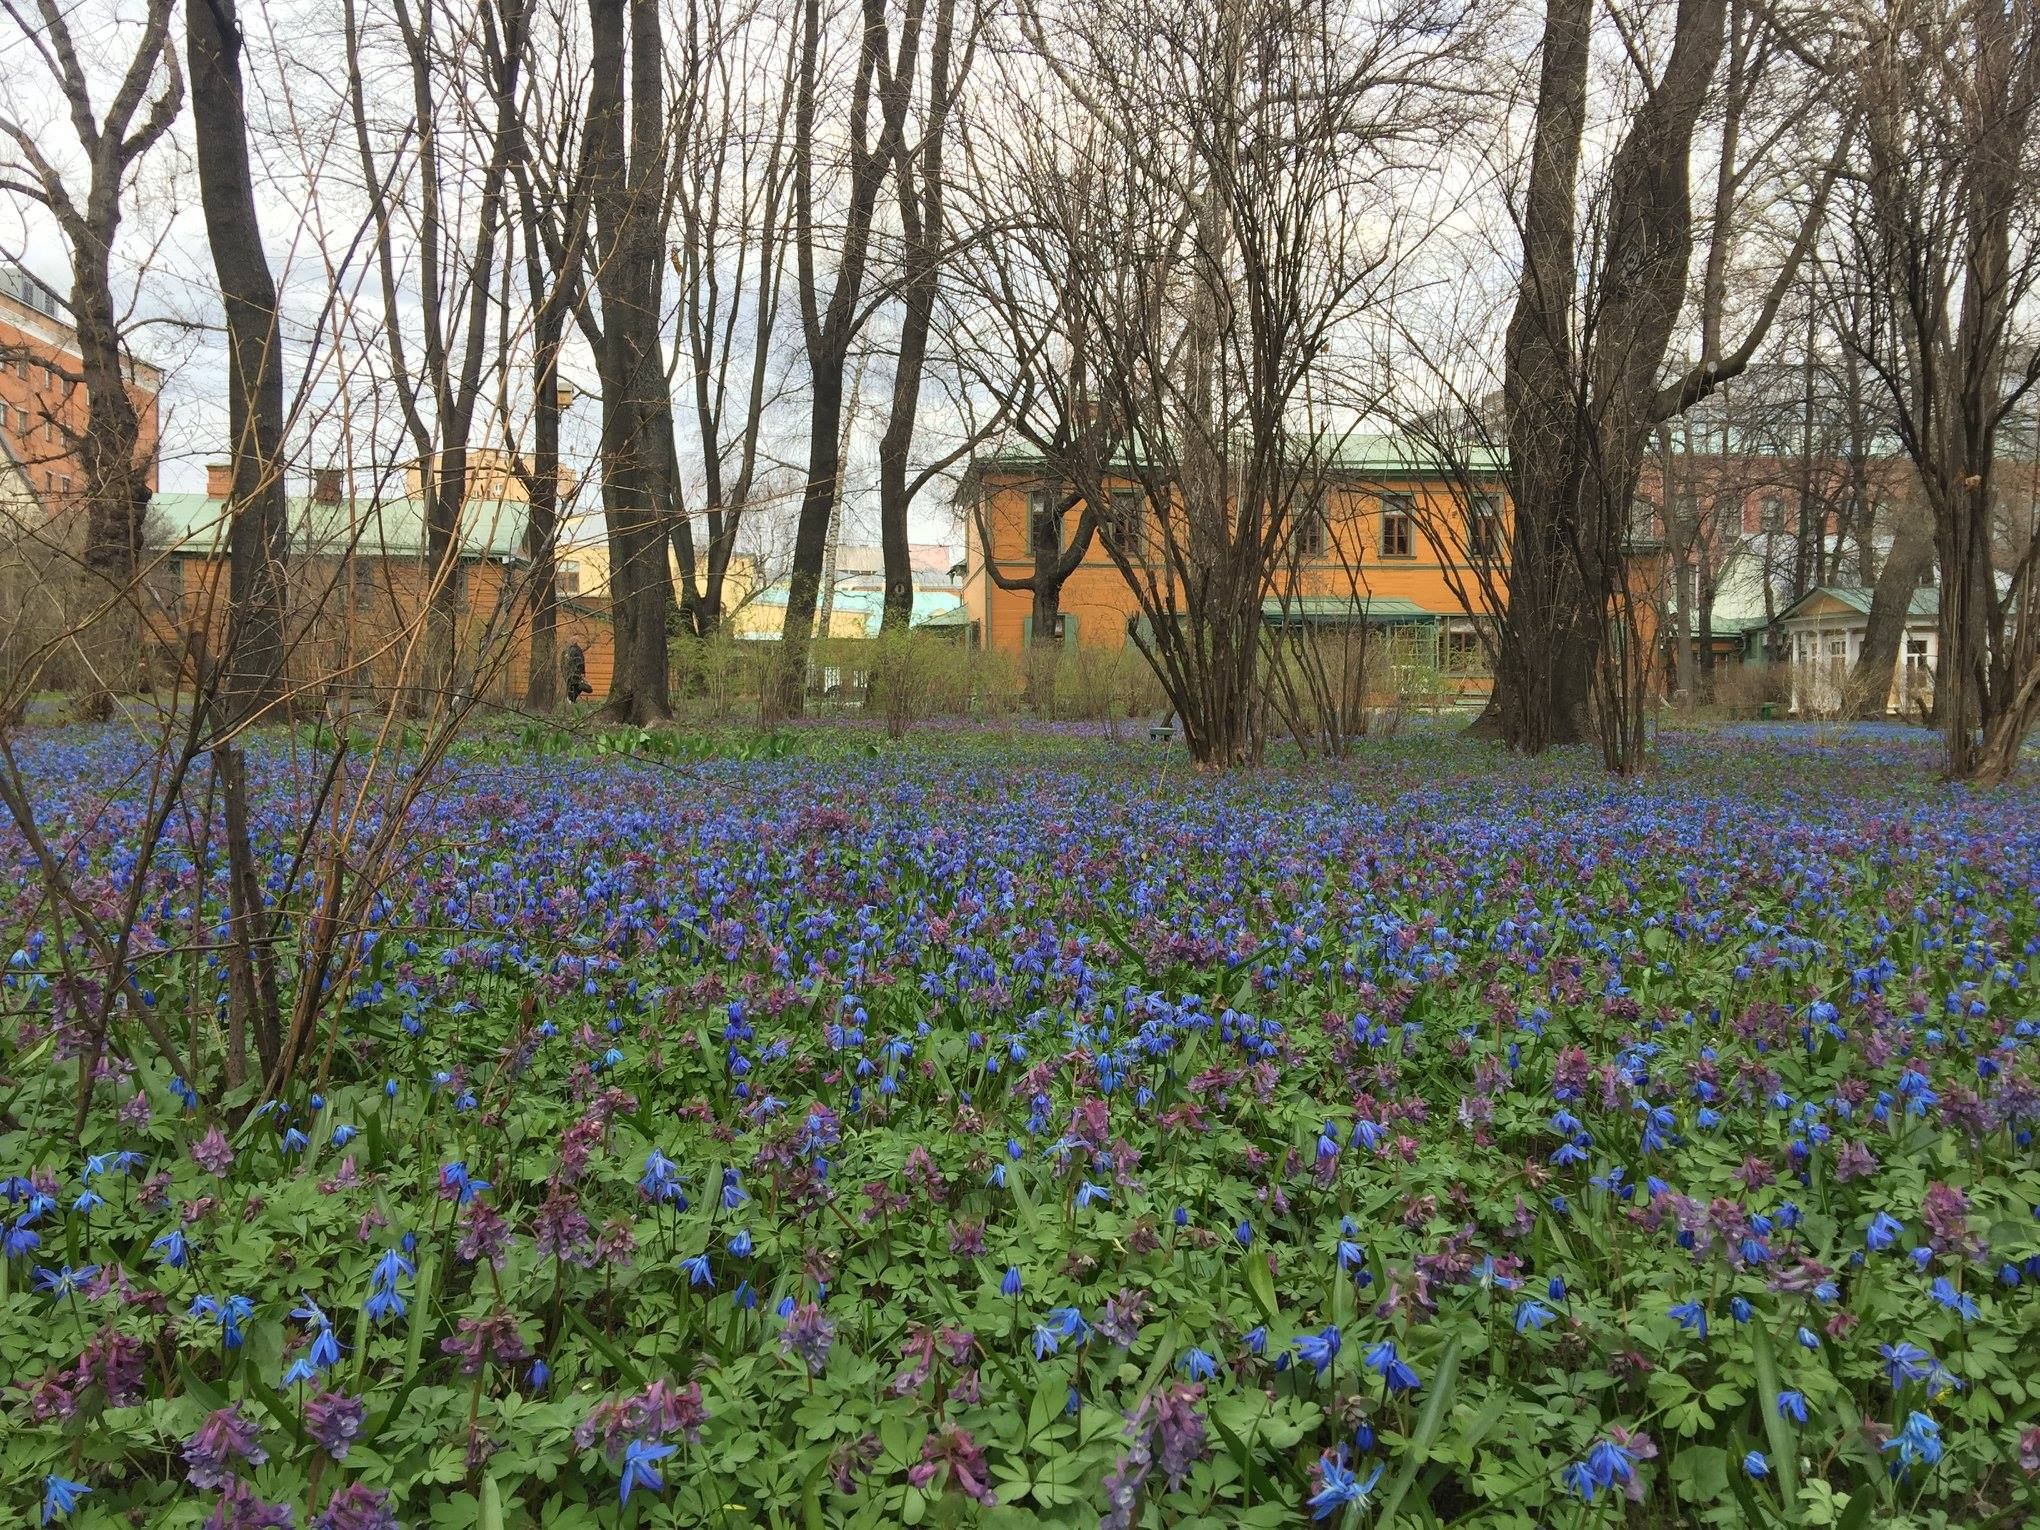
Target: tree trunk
x,y
627,198
258,526
1911,556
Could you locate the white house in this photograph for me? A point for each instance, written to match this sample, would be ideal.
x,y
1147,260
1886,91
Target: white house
x,y
1824,632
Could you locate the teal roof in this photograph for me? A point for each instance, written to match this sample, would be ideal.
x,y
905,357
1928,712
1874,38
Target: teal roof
x,y
1357,455
1346,608
870,604
394,527
1925,604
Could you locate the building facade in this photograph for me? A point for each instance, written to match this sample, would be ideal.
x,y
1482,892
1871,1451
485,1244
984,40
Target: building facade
x,y
358,586
42,402
1394,543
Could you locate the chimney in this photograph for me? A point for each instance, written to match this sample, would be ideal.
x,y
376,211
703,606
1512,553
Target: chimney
x,y
219,480
326,485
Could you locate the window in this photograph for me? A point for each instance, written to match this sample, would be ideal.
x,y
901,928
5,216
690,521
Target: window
x,y
1044,519
1308,538
1398,526
1484,526
1463,653
1927,577
1127,526
567,577
1771,514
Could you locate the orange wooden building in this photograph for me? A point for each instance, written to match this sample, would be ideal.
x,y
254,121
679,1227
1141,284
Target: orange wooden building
x,y
358,585
1397,544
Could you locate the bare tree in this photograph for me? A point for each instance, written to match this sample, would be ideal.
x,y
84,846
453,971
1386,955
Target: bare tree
x,y
873,116
1234,181
258,535
920,181
1586,381
733,174
1947,245
438,394
114,459
627,130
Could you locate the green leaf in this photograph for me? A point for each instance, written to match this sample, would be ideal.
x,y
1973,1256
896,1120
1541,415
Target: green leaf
x,y
1261,1286
1784,1448
491,1517
603,1347
1435,1406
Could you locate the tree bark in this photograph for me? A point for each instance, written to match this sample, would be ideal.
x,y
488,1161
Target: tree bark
x,y
258,526
1910,558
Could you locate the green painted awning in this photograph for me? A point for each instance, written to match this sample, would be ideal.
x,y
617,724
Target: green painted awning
x,y
1378,609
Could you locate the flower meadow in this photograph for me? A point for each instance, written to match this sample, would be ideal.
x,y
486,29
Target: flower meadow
x,y
1030,1132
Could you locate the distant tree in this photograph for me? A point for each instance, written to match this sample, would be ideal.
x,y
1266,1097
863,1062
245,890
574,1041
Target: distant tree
x,y
1598,303
147,93
258,517
1946,245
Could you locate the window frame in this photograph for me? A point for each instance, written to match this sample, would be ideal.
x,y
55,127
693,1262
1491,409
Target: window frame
x,y
1401,510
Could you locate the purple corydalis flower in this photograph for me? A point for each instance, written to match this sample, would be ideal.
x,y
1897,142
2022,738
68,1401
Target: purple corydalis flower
x,y
212,1153
807,1336
240,1509
333,1419
357,1507
225,1437
486,1341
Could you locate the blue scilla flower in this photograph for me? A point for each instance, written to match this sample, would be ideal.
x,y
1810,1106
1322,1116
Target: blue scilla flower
x,y
62,1282
1089,1194
1257,1339
1943,1291
1808,1339
1755,1464
1904,1362
1691,1316
1197,1365
1244,1234
1068,1323
740,1245
60,1497
172,1248
344,1134
1339,1488
641,1469
229,1314
88,1202
1883,1231
697,1271
19,1240
1532,1314
463,1186
1320,1349
1791,1405
733,1193
1918,1442
1009,1284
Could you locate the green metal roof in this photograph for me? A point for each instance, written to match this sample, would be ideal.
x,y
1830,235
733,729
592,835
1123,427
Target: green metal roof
x,y
948,616
394,527
1346,608
1924,605
1359,456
